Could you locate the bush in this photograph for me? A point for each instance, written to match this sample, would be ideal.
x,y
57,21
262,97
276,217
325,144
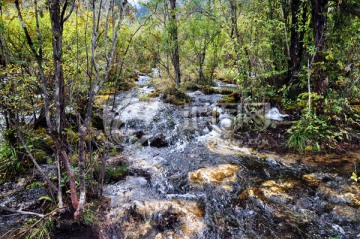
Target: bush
x,y
9,164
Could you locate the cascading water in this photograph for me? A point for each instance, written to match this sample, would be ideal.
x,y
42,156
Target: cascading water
x,y
189,180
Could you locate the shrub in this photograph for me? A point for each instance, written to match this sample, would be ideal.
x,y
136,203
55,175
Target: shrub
x,y
9,164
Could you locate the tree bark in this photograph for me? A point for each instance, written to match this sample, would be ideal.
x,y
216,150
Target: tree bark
x,y
319,17
235,35
175,58
296,47
57,33
57,21
96,84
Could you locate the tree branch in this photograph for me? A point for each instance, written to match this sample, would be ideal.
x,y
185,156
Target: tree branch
x,y
64,19
22,212
52,186
27,35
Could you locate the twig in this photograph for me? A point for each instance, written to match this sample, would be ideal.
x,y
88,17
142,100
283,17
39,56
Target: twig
x,y
51,185
20,235
22,212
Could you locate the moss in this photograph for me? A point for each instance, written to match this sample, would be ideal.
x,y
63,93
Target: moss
x,y
41,132
72,136
209,90
189,85
227,80
153,94
115,173
163,85
101,99
226,92
40,156
108,92
232,98
176,97
291,108
356,109
227,99
145,97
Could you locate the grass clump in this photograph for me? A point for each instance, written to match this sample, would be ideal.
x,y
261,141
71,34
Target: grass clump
x,y
115,173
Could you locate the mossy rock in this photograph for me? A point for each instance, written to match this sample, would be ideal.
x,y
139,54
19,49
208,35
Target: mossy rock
x,y
45,138
227,99
193,87
190,85
208,90
226,92
145,98
232,98
72,136
113,174
176,97
153,94
226,80
290,108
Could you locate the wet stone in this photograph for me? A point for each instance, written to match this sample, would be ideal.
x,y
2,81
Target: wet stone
x,y
221,174
314,179
271,191
345,214
340,194
156,219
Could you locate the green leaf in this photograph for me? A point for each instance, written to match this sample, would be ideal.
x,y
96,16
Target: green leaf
x,y
354,177
46,198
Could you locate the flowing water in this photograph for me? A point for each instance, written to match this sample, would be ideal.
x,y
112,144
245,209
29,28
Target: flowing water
x,y
189,179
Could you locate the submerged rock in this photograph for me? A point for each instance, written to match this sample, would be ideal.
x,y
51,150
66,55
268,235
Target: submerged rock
x,y
271,192
156,219
223,146
222,174
314,179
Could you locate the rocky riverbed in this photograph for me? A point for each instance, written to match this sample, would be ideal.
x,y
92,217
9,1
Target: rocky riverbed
x,y
189,178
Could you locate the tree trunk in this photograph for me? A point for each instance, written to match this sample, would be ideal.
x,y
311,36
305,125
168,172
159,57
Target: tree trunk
x,y
296,48
175,58
57,32
235,35
55,131
82,199
319,16
56,17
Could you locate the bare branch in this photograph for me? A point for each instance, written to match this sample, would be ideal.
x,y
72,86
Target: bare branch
x,y
64,19
52,186
27,35
63,12
22,212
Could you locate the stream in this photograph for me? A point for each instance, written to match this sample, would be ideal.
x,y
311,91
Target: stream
x,y
190,179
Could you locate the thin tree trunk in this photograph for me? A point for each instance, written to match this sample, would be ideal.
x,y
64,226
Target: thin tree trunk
x,y
82,199
57,21
296,47
95,86
235,35
319,16
175,58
